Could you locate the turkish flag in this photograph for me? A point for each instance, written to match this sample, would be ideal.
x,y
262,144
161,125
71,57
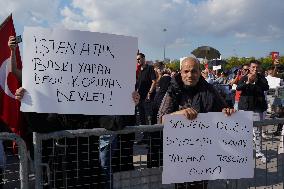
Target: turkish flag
x,y
274,55
9,107
206,65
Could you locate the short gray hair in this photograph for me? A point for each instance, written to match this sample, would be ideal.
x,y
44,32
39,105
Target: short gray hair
x,y
190,58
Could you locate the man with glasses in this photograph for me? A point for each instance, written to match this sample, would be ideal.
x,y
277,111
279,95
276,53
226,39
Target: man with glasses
x,y
145,86
241,73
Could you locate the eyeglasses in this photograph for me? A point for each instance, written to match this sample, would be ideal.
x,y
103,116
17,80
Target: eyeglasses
x,y
138,58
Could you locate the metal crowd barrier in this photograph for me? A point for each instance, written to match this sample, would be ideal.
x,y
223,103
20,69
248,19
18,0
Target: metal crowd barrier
x,y
15,168
71,159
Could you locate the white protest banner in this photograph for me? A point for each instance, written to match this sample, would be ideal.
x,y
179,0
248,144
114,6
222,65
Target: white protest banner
x,y
219,67
273,82
78,72
213,146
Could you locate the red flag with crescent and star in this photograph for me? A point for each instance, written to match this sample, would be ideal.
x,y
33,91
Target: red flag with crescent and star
x,y
9,107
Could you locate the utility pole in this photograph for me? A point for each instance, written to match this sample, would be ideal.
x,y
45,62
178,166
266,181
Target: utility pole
x,y
164,30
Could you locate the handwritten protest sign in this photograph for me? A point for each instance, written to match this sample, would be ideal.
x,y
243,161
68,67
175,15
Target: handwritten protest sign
x,y
273,82
219,67
210,147
78,72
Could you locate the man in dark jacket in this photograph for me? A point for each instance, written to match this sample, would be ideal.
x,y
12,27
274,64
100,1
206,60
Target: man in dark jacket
x,y
252,98
145,85
188,95
94,170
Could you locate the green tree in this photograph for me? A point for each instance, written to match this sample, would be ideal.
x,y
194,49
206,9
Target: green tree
x,y
173,65
236,61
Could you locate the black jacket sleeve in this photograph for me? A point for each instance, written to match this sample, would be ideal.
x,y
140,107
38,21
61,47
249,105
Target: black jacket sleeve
x,y
219,102
242,84
262,83
42,122
167,106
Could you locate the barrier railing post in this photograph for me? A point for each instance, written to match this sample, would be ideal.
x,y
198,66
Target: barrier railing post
x,y
37,160
22,153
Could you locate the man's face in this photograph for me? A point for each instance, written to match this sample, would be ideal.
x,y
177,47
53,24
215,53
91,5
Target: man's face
x,y
254,68
160,69
140,60
245,70
190,73
276,61
204,73
270,72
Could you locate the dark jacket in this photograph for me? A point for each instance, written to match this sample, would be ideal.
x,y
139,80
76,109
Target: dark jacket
x,y
252,97
144,81
45,123
109,122
162,86
203,97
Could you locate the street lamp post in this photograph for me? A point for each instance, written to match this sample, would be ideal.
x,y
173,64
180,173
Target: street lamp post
x,y
164,30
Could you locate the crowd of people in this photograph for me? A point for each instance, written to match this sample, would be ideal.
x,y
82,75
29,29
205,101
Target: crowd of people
x,y
194,91
160,91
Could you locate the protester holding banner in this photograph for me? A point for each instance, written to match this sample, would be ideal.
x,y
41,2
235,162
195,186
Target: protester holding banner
x,y
10,114
9,107
49,122
188,95
39,122
252,87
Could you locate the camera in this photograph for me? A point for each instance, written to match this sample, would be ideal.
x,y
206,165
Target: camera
x,y
18,39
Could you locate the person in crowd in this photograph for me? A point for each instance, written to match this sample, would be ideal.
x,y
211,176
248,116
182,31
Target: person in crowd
x,y
271,74
207,76
145,85
3,127
276,66
159,68
222,79
161,89
110,153
173,74
252,87
188,95
241,73
100,175
277,106
155,143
